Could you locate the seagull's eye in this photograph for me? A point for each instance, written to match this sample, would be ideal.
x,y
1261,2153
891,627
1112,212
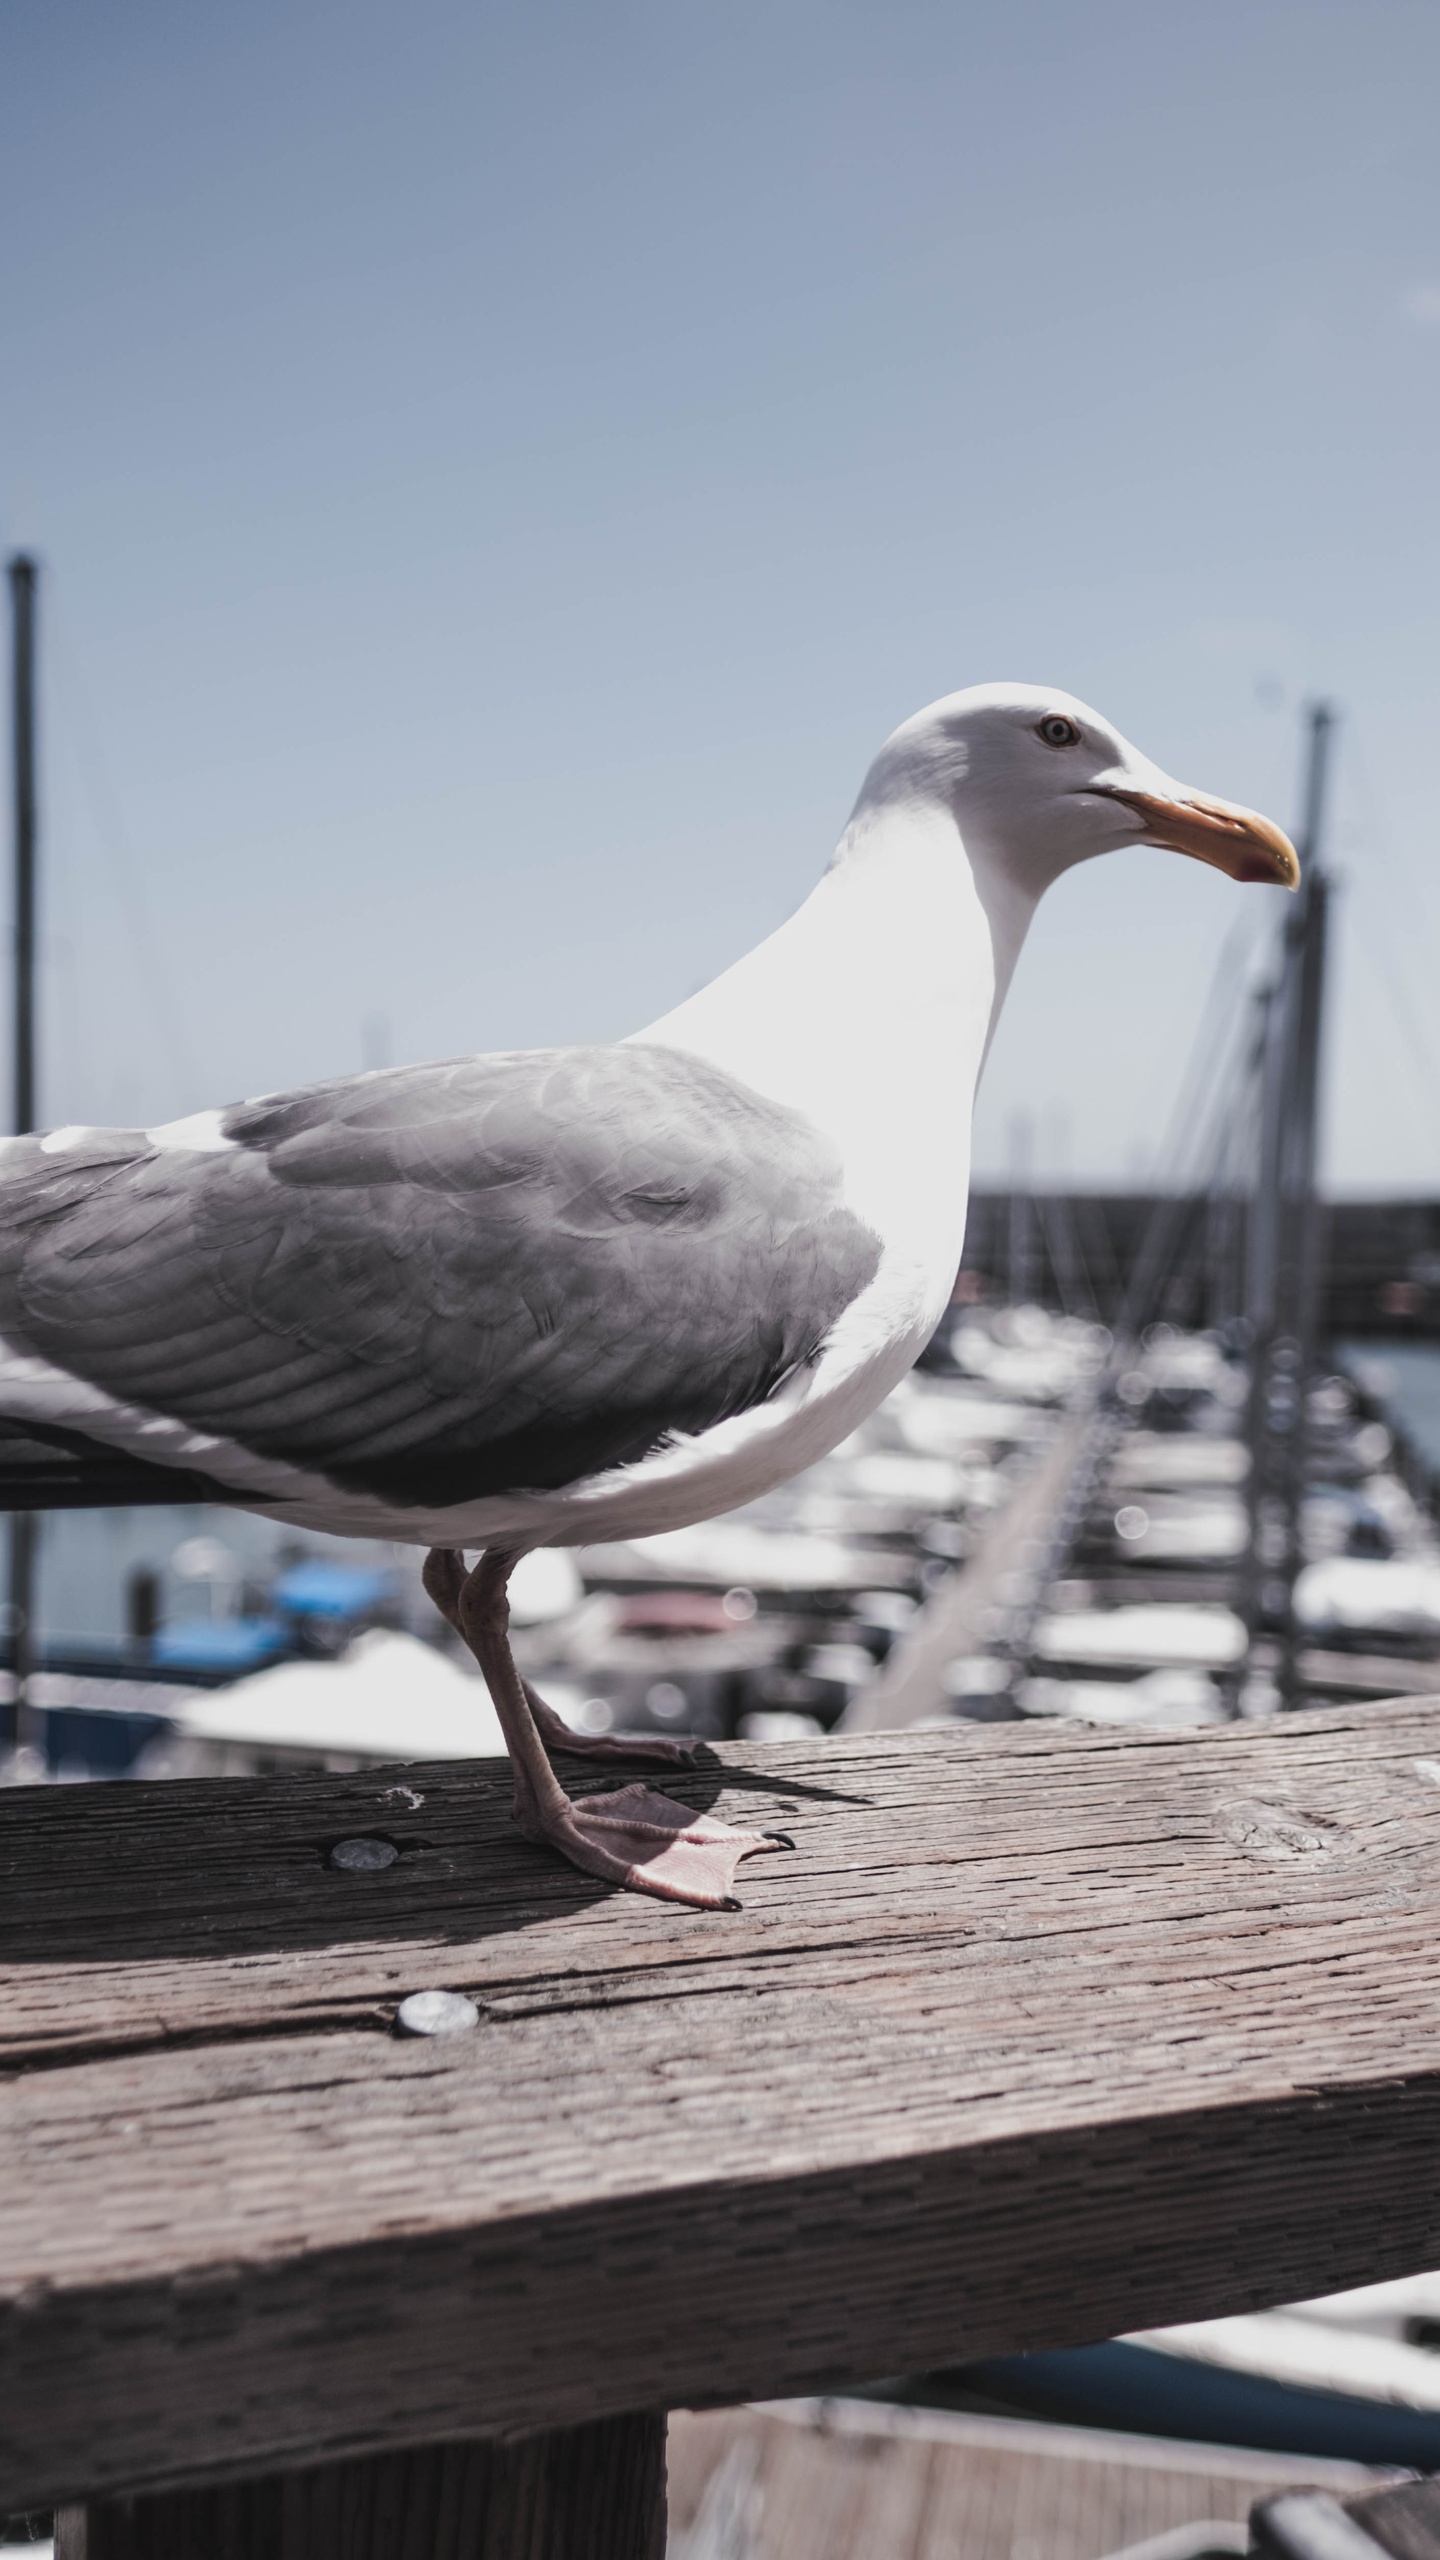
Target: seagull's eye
x,y
1057,731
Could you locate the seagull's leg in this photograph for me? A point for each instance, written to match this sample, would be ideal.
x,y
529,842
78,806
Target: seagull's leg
x,y
445,1580
633,1837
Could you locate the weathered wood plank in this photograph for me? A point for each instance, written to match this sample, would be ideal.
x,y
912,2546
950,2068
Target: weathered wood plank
x,y
1042,2034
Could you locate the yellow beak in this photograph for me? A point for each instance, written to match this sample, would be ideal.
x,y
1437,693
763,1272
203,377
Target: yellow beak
x,y
1235,840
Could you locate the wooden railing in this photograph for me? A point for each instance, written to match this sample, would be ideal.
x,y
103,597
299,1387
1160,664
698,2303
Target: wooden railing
x,y
1041,2035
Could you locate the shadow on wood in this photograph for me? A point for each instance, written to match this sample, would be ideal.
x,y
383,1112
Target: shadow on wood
x,y
581,2493
236,1867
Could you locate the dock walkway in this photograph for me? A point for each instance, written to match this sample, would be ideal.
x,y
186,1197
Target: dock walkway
x,y
845,2480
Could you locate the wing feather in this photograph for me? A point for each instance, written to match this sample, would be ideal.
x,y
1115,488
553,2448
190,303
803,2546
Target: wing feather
x,y
442,1282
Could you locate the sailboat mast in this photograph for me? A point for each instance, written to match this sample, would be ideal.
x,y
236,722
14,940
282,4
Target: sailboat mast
x,y
24,580
1283,1255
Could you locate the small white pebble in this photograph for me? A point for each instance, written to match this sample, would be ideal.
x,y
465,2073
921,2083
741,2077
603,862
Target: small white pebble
x,y
436,2013
1427,1769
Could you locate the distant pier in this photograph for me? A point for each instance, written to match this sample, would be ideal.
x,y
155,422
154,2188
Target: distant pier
x,y
1076,1251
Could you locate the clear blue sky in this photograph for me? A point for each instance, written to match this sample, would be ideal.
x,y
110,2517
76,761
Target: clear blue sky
x,y
501,471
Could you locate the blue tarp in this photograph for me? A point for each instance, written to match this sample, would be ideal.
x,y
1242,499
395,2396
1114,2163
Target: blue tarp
x,y
319,1589
219,1644
1145,2393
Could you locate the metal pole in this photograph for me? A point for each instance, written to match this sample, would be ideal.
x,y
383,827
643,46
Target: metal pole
x,y
1300,1278
1022,1284
24,578
1281,1296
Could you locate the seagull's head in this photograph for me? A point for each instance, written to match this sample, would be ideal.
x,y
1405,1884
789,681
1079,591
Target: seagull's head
x,y
1037,782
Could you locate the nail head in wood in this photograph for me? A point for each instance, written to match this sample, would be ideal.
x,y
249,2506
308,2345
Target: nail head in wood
x,y
363,1857
436,2013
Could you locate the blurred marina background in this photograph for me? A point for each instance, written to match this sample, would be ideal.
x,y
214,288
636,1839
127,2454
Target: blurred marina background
x,y
495,477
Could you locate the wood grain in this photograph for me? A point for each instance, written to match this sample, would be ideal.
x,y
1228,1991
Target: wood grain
x,y
1042,2034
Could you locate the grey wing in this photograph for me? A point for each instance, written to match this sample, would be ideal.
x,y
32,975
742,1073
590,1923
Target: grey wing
x,y
445,1282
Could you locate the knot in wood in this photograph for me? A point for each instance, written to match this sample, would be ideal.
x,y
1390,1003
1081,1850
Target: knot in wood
x,y
1279,1830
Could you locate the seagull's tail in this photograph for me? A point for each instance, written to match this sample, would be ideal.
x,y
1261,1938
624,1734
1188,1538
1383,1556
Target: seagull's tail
x,y
62,1471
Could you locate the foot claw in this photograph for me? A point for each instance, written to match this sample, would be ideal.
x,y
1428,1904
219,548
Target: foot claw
x,y
783,1838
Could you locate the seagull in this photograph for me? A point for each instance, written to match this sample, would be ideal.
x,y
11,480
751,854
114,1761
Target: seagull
x,y
548,1296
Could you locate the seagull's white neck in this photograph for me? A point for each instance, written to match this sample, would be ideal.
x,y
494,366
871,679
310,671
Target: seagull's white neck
x,y
871,1011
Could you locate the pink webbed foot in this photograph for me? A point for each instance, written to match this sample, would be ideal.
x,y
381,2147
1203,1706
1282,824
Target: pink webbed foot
x,y
557,1735
652,1845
